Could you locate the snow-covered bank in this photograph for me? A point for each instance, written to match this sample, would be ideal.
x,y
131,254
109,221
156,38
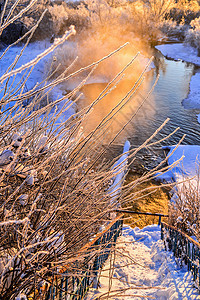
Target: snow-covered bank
x,y
29,53
143,268
185,173
120,170
187,167
36,76
193,99
180,52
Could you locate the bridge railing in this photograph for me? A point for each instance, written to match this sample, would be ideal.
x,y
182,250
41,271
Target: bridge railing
x,y
160,216
185,249
73,283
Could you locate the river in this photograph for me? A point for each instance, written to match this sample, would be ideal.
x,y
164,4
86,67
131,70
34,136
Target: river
x,y
164,102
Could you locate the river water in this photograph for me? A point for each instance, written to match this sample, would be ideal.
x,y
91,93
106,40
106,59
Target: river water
x,y
171,89
164,102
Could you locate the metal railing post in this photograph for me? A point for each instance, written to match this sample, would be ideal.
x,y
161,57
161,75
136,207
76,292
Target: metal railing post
x,y
102,244
186,249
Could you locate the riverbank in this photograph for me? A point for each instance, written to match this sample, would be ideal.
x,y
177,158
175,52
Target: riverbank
x,y
37,78
180,51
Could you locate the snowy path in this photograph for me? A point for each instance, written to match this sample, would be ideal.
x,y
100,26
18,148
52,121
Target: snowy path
x,y
142,268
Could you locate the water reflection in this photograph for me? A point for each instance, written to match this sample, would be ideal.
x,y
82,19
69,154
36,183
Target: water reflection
x,y
165,102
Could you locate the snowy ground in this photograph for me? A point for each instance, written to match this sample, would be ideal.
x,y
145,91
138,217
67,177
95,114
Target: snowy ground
x,y
185,173
187,167
180,52
38,73
31,51
193,99
143,268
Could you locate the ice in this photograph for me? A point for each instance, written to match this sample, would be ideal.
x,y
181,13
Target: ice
x,y
119,171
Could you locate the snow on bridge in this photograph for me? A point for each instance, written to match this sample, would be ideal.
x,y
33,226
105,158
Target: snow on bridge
x,y
142,268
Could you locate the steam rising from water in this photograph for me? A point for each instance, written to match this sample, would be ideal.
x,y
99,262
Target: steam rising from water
x,y
91,47
97,46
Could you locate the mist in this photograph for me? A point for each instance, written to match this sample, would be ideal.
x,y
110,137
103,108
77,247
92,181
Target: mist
x,y
91,46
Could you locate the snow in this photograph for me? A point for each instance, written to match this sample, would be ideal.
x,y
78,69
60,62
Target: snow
x,y
193,99
188,165
143,268
185,172
180,52
119,168
37,75
31,51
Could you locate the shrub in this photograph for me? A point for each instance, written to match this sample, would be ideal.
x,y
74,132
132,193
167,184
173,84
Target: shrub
x,y
174,30
56,188
184,11
193,35
59,17
185,208
148,17
53,193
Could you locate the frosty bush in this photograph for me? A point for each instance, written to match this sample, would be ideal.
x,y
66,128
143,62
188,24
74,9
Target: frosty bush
x,y
158,9
47,180
173,30
59,16
54,180
193,34
148,17
185,208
